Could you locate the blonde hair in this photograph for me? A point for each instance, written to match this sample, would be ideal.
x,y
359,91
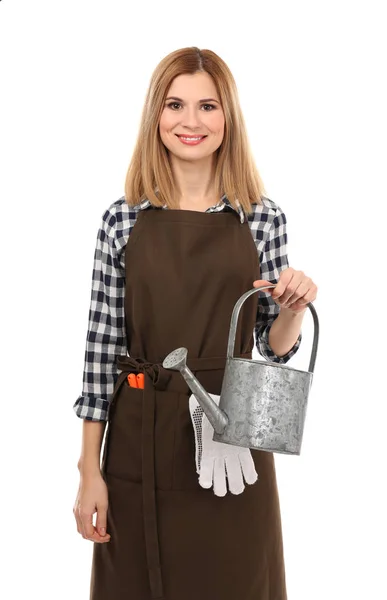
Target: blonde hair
x,y
150,175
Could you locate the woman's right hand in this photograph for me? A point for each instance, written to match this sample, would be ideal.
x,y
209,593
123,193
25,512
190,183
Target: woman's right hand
x,y
92,497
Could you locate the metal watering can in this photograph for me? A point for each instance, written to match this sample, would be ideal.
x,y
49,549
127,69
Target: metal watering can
x,y
262,403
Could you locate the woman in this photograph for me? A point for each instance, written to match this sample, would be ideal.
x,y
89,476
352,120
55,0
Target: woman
x,y
191,235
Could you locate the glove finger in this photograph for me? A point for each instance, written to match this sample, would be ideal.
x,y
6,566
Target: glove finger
x,y
206,472
248,467
220,487
234,474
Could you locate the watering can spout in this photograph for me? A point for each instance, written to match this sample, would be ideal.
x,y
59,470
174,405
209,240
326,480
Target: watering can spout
x,y
177,360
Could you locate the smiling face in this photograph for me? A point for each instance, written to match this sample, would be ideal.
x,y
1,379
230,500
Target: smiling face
x,y
192,122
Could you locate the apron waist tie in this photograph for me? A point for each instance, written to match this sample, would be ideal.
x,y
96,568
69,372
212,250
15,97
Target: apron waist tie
x,y
156,378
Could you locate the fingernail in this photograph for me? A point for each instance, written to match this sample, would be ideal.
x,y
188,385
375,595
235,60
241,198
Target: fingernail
x,y
103,530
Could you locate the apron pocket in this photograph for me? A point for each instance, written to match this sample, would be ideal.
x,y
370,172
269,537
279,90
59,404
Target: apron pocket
x,y
174,446
123,453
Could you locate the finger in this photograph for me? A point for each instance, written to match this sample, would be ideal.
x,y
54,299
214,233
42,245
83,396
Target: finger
x,y
87,523
89,532
101,519
290,291
206,472
234,474
100,540
248,467
261,282
308,296
80,524
284,281
220,487
299,292
78,520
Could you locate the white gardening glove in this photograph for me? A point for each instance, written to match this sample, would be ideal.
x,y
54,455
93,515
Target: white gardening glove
x,y
214,460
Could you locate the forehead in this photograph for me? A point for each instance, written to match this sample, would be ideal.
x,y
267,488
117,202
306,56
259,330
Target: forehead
x,y
198,85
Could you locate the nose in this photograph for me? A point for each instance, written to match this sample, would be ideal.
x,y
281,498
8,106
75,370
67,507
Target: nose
x,y
191,118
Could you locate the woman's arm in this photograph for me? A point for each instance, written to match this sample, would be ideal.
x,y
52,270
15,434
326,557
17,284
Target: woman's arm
x,y
92,435
92,495
278,336
285,331
106,335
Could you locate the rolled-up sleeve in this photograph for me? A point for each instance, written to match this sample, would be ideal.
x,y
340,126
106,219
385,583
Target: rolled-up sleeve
x,y
271,240
106,325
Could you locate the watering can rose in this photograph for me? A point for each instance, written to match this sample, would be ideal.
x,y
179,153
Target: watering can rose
x,y
293,291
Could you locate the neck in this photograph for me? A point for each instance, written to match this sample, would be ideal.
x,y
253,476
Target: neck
x,y
194,182
197,205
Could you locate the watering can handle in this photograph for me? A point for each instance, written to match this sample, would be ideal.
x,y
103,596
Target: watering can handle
x,y
234,322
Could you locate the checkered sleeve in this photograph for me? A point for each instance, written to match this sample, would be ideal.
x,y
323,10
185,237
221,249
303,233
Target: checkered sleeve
x,y
106,327
268,225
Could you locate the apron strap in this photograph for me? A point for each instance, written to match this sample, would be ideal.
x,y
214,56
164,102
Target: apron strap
x,y
148,489
161,377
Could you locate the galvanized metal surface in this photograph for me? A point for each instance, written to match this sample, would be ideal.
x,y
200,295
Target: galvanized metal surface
x,y
262,404
265,405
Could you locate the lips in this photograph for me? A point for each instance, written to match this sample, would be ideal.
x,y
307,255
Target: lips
x,y
191,140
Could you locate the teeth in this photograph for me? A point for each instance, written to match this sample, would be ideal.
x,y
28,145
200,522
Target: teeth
x,y
191,139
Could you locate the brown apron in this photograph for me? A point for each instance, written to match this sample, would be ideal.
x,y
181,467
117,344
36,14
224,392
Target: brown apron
x,y
170,538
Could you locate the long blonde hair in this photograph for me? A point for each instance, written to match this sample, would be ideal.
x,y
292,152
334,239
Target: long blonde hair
x,y
150,175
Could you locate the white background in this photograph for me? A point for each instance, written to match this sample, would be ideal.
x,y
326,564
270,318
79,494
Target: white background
x,y
311,77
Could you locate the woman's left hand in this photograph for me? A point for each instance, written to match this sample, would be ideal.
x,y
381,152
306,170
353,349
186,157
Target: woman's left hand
x,y
293,291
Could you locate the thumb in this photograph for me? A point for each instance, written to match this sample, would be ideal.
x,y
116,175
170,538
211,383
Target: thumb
x,y
261,282
101,519
248,466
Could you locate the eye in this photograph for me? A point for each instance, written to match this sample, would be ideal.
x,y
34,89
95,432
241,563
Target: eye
x,y
173,104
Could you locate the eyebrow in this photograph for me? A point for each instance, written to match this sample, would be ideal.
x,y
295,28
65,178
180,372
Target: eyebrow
x,y
202,100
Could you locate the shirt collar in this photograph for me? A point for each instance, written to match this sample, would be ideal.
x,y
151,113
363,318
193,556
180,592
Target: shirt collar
x,y
224,201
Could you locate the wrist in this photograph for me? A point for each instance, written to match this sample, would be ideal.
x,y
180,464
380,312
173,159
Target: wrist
x,y
287,313
88,467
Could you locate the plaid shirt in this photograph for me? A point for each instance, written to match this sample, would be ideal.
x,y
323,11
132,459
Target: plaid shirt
x,y
106,336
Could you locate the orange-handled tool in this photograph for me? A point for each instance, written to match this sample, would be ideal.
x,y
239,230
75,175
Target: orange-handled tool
x,y
132,380
140,381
